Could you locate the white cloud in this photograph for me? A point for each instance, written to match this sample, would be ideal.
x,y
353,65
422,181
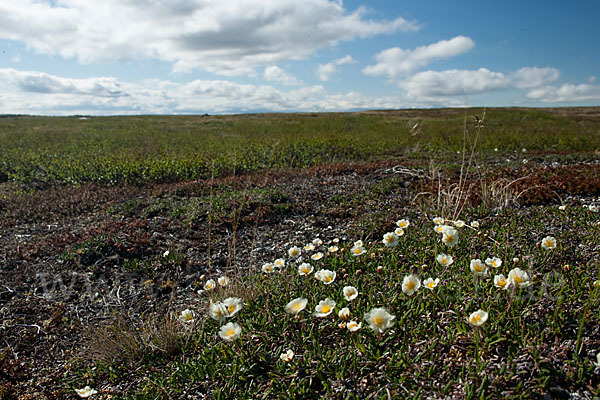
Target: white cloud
x,y
430,86
275,74
399,65
531,77
40,82
566,93
453,82
228,37
32,92
397,62
456,82
324,71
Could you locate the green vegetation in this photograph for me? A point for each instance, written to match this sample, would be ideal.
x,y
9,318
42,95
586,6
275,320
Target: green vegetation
x,y
141,149
431,349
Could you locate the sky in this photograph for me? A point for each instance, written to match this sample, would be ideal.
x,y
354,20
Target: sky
x,y
117,57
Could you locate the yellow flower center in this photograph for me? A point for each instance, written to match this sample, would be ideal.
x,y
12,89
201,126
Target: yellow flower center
x,y
231,308
478,267
475,318
502,282
494,263
410,285
230,332
297,306
378,320
325,309
518,279
328,278
188,317
449,238
431,284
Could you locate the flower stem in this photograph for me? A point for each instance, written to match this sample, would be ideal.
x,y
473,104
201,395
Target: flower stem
x,y
477,338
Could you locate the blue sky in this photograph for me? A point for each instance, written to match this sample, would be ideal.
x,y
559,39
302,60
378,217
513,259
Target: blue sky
x,y
64,57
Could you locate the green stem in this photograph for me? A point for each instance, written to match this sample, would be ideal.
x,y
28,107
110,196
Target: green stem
x,y
477,334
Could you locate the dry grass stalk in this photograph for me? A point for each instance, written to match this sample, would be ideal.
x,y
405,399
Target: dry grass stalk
x,y
451,198
128,339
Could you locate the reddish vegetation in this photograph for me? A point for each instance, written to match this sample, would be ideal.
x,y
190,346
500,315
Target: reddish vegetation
x,y
547,184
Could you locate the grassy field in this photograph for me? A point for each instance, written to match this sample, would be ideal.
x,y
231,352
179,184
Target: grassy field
x,y
42,150
430,349
214,257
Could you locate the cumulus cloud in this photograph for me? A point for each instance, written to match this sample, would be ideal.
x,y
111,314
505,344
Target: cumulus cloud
x,y
399,66
452,82
324,71
40,82
275,74
106,95
457,82
228,37
396,62
566,93
531,77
